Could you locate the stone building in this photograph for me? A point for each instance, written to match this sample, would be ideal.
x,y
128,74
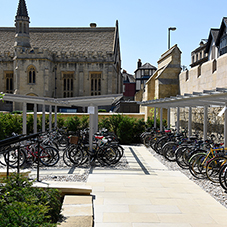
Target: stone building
x,y
164,82
58,62
213,72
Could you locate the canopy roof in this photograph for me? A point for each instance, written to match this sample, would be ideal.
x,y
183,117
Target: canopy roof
x,y
216,97
100,100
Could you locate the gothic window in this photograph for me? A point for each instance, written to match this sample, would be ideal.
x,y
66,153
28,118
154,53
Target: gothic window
x,y
95,84
31,75
67,85
9,82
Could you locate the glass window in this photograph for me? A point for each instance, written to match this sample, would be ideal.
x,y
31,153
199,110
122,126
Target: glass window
x,y
9,82
31,75
95,84
68,85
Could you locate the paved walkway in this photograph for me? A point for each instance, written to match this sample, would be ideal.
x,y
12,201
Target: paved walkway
x,y
149,195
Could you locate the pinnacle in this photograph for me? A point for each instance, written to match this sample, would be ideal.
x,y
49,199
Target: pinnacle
x,y
22,9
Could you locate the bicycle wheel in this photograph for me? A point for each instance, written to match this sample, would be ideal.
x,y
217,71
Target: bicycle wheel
x,y
182,155
213,168
168,151
49,156
160,145
197,165
11,157
66,159
106,156
222,176
75,155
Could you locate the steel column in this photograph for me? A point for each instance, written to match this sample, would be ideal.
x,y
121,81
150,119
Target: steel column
x,y
178,119
161,115
50,118
43,119
168,118
190,121
225,127
55,116
205,115
155,119
35,118
24,118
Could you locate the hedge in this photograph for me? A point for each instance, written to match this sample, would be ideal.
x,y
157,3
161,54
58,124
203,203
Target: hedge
x,y
127,129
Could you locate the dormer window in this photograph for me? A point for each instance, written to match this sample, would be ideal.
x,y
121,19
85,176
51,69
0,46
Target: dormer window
x,y
223,45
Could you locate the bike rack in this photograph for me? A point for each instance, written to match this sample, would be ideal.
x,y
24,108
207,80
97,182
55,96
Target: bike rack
x,y
17,139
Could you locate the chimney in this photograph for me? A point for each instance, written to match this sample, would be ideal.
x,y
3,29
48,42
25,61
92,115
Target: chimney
x,y
93,25
139,63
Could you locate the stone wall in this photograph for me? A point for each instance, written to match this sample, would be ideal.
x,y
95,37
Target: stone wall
x,y
213,74
215,124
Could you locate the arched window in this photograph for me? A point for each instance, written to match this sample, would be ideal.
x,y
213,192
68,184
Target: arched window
x,y
31,75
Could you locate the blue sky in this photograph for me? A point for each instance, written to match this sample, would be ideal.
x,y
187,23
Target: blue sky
x,y
143,24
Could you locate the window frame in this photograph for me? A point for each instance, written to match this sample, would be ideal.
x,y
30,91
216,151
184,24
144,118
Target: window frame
x,y
31,75
68,84
95,83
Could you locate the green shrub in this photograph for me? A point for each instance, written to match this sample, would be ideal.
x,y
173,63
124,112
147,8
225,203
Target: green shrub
x,y
102,110
72,123
9,124
84,122
24,205
60,121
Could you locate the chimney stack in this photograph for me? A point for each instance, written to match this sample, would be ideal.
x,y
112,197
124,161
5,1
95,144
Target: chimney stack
x,y
139,63
93,25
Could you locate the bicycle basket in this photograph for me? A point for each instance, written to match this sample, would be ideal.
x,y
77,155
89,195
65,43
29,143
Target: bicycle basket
x,y
74,139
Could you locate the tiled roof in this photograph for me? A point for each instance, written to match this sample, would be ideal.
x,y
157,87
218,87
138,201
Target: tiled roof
x,y
212,37
148,66
63,39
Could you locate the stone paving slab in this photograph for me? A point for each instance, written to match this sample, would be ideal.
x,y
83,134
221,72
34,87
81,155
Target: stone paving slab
x,y
148,194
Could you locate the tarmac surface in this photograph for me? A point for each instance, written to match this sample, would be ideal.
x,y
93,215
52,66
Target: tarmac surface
x,y
148,194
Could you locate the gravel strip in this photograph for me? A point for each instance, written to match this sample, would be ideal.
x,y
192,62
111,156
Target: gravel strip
x,y
215,190
80,175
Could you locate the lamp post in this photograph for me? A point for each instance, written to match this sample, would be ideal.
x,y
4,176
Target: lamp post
x,y
170,29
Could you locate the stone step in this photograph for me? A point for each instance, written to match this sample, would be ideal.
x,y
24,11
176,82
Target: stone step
x,y
77,211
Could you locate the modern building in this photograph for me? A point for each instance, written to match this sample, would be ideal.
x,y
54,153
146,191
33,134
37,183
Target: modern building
x,y
58,62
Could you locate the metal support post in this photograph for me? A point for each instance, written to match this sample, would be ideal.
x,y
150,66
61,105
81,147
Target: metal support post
x,y
178,119
161,116
205,122
35,118
168,118
190,121
55,116
50,118
155,119
24,118
43,119
225,127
